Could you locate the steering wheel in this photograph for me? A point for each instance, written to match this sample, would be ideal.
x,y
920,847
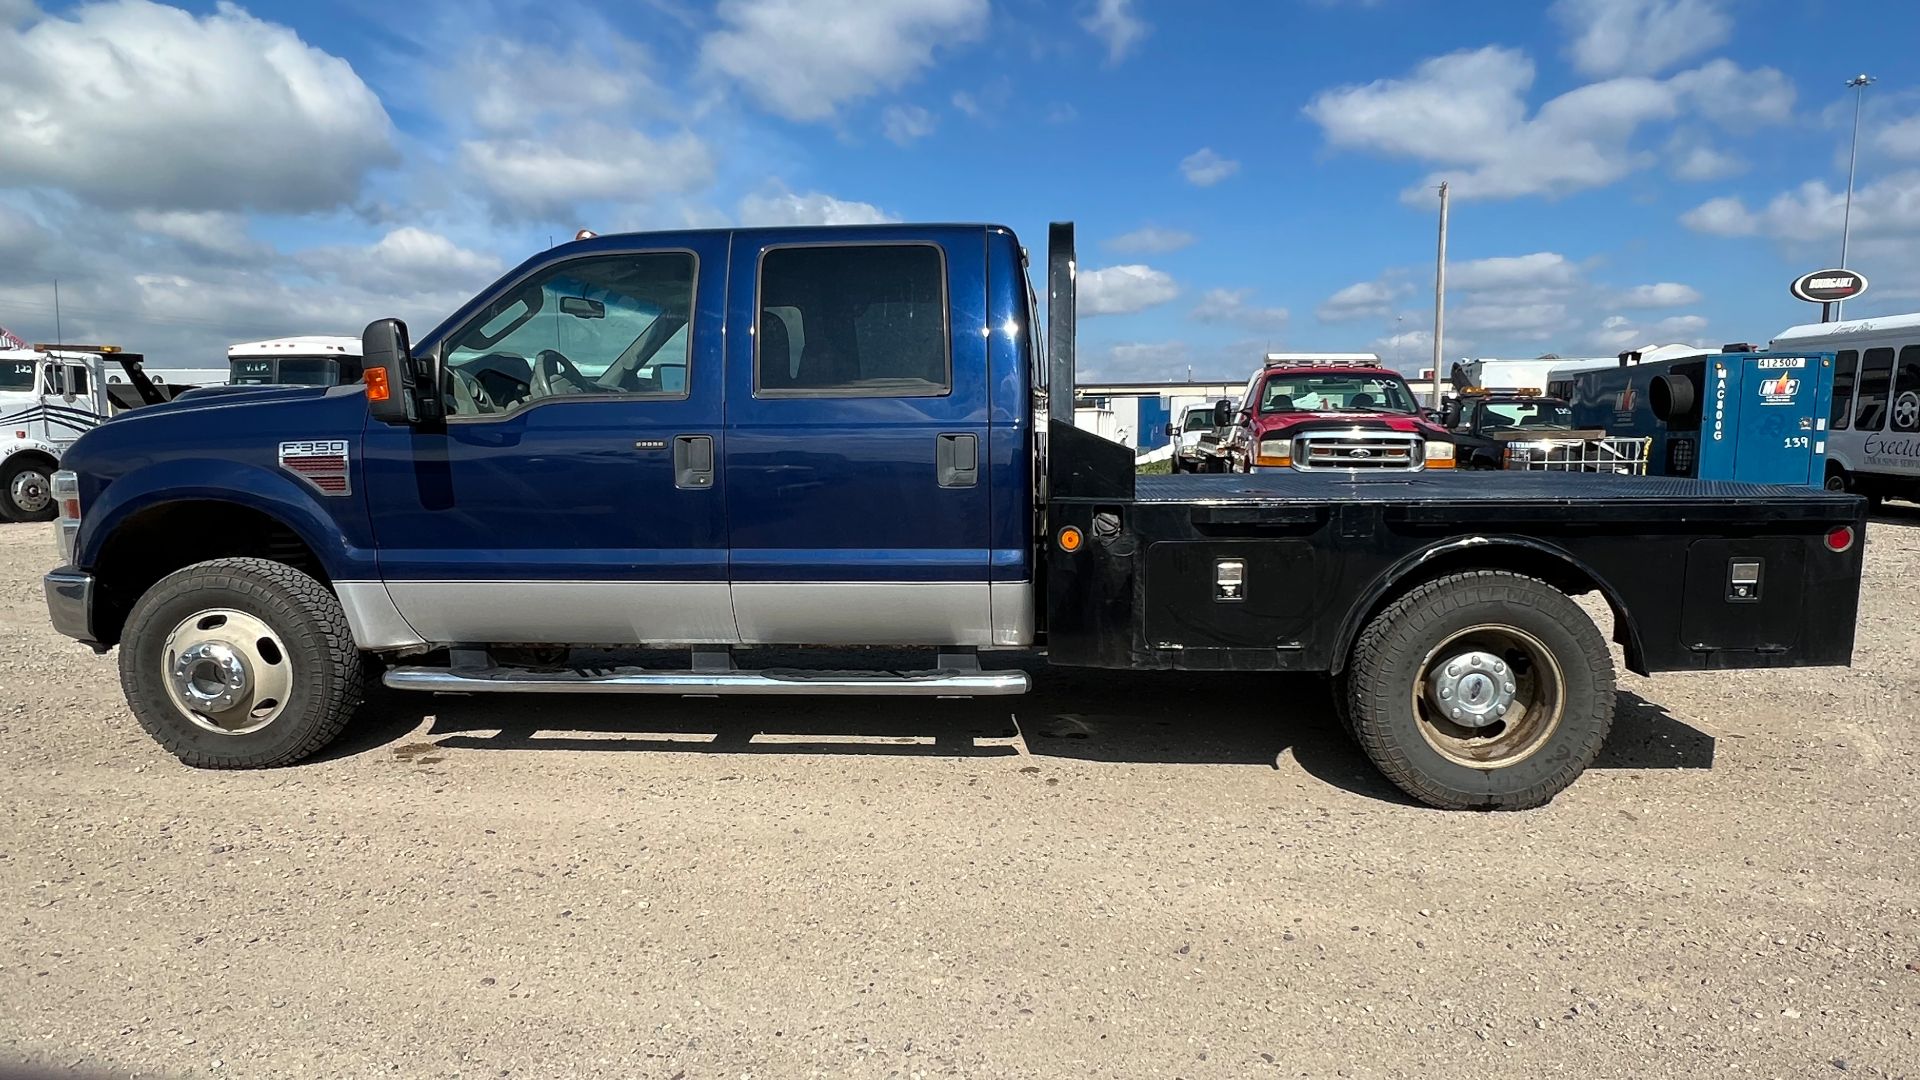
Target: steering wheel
x,y
554,374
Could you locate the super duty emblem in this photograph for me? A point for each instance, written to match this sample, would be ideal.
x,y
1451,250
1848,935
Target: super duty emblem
x,y
320,462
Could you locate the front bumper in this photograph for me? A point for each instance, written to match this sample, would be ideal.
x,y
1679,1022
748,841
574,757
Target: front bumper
x,y
70,603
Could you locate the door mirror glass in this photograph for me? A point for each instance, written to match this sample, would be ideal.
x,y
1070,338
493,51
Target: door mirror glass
x,y
396,392
1222,412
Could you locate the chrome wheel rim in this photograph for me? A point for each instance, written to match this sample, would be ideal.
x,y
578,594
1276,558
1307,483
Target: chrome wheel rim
x,y
1489,696
227,671
31,491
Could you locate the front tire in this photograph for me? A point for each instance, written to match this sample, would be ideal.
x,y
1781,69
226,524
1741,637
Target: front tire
x,y
26,488
1484,690
240,664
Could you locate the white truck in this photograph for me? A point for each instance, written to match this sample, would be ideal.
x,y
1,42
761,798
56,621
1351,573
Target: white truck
x,y
51,395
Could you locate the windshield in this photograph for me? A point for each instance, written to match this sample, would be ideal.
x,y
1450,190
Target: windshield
x,y
17,375
1336,391
1527,414
1199,420
286,371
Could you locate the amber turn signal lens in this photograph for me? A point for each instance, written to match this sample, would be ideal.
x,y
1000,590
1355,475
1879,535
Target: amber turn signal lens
x,y
1070,539
377,388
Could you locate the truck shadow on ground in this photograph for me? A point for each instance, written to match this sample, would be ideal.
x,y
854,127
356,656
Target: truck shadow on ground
x,y
1165,718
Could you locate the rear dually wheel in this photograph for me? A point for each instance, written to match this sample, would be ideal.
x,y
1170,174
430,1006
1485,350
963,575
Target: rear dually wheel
x,y
1484,690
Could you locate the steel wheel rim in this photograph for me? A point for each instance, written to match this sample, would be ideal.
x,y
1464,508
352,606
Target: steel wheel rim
x,y
1835,483
226,671
1488,733
31,490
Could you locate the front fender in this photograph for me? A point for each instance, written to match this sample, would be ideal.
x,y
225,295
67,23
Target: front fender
x,y
1519,554
23,446
312,516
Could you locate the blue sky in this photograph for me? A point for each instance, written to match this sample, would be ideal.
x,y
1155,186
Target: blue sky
x,y
1245,175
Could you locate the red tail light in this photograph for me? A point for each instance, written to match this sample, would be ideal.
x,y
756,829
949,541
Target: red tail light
x,y
1840,538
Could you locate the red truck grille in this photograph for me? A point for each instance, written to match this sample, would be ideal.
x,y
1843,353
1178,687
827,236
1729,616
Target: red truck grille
x,y
1359,448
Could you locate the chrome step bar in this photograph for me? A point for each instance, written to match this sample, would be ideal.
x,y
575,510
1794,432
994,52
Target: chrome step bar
x,y
946,682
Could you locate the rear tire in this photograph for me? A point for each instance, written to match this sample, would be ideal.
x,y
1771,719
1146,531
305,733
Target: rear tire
x,y
26,488
1528,667
240,664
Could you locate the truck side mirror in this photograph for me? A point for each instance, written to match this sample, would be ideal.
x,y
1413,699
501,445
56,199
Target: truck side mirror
x,y
1223,412
1173,431
395,392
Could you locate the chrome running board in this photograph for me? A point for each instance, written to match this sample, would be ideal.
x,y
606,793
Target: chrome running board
x,y
945,682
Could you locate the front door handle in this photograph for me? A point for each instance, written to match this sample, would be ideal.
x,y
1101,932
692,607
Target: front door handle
x,y
956,458
692,462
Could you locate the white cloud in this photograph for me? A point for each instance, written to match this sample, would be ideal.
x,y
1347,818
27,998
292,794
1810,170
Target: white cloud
x,y
1150,240
1122,290
1117,27
803,59
783,207
1234,306
1900,139
545,131
214,232
1511,274
1204,168
1617,333
1724,216
1699,161
1662,294
1361,300
1515,321
905,123
986,104
505,85
1886,210
1639,37
136,105
545,176
1684,328
1467,111
406,259
1741,98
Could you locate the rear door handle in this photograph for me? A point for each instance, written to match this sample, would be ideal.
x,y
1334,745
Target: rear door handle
x,y
693,462
956,458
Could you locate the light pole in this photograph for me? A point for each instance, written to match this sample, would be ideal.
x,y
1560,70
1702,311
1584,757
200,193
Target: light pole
x,y
1440,296
1859,83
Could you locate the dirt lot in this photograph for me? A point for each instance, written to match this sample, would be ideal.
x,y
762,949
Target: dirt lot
x,y
1117,876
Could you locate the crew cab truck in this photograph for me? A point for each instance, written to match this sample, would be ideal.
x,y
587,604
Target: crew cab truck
x,y
1193,443
1332,411
869,445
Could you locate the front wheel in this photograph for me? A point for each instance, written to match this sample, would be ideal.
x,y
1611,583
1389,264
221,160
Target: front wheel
x,y
240,664
26,489
1485,690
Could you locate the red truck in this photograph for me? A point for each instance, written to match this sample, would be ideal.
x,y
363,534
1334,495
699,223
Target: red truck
x,y
1332,411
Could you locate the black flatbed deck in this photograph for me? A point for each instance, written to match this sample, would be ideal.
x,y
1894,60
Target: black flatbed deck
x,y
1503,494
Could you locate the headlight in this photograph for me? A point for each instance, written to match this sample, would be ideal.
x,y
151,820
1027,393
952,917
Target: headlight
x,y
1439,454
1275,453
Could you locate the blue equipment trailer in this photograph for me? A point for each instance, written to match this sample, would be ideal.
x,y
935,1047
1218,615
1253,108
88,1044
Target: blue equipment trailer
x,y
1757,417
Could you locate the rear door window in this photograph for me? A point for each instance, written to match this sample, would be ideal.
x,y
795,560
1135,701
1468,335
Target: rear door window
x,y
1906,390
855,320
1845,365
1876,377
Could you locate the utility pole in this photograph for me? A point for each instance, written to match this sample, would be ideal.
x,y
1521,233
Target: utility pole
x,y
1859,83
1440,296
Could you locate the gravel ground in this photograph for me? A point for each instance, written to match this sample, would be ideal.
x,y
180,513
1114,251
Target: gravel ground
x,y
1125,876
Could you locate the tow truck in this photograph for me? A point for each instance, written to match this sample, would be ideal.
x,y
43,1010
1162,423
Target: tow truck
x,y
1331,411
1524,429
866,440
50,395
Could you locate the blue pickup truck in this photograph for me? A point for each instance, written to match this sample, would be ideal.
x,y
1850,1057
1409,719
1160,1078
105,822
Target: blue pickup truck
x,y
859,436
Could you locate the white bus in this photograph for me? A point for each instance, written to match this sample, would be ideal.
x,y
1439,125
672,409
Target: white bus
x,y
1873,443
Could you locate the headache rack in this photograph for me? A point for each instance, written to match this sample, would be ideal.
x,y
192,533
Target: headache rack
x,y
1618,455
